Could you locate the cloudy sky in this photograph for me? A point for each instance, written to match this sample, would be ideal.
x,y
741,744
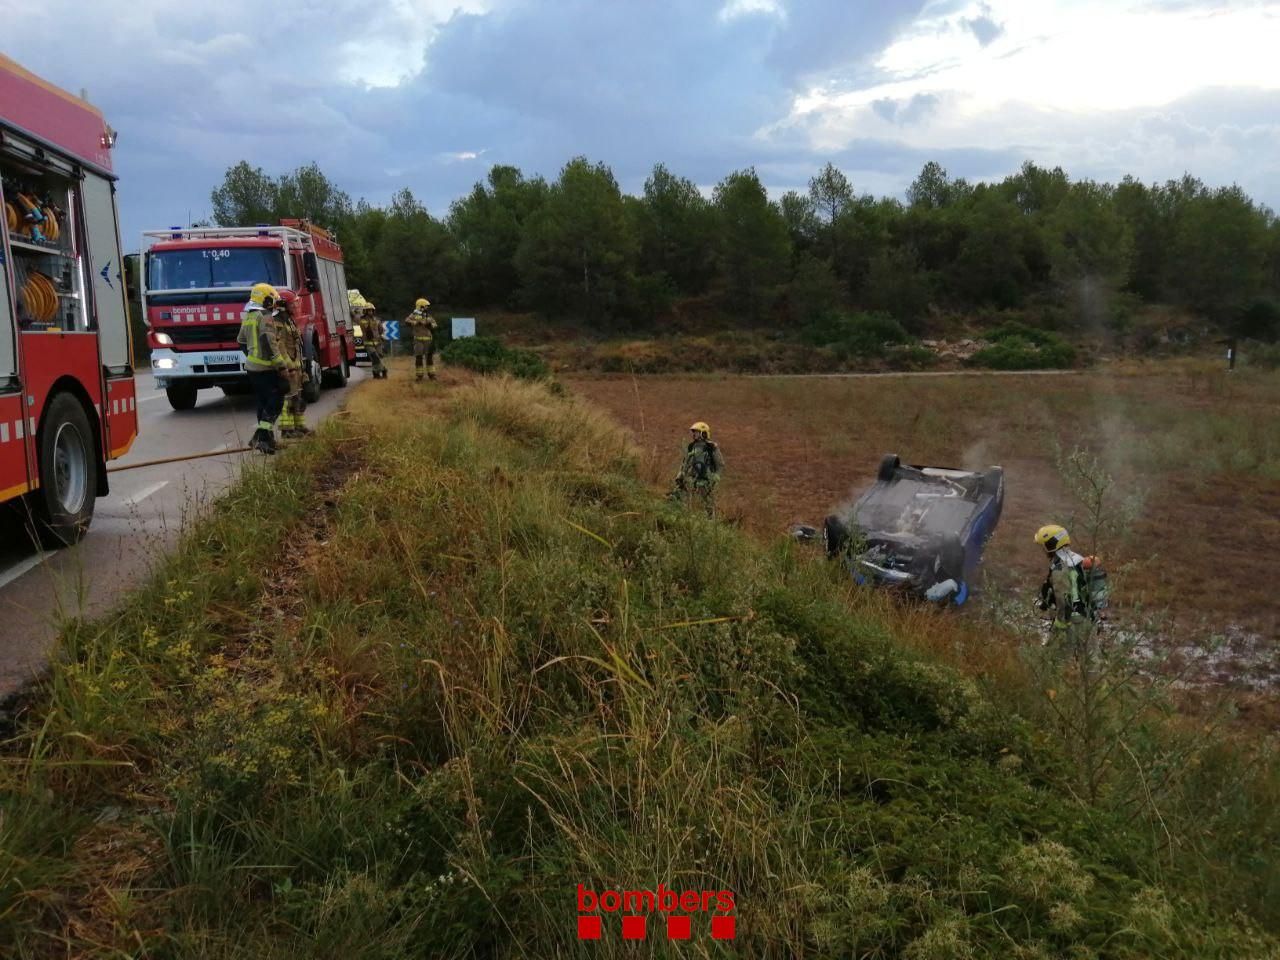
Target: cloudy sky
x,y
429,93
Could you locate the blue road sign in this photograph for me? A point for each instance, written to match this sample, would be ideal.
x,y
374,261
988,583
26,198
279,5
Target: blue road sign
x,y
391,329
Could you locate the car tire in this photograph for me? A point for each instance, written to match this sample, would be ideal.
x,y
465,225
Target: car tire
x,y
236,390
182,396
834,536
888,468
68,473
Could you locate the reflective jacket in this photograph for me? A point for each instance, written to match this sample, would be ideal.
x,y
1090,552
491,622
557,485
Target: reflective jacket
x,y
702,464
422,324
1063,587
289,339
260,339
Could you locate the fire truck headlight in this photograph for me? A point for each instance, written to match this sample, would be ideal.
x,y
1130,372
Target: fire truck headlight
x,y
165,363
164,339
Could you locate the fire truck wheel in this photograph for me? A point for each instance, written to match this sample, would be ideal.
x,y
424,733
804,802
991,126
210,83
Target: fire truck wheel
x,y
182,396
338,376
68,473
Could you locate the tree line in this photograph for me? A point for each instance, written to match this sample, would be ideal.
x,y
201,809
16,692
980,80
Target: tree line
x,y
579,247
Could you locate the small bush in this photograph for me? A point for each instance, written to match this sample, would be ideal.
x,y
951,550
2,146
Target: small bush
x,y
857,335
911,357
1015,346
1264,356
489,355
1259,321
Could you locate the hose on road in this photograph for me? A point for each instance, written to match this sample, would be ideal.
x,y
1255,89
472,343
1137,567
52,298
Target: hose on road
x,y
185,456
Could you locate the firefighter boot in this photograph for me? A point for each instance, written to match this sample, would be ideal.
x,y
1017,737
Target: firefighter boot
x,y
263,441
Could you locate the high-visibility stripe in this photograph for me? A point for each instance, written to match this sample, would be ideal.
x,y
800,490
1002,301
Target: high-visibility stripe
x,y
4,433
121,451
18,430
8,493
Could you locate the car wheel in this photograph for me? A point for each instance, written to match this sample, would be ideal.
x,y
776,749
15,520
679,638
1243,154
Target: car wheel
x,y
888,468
834,535
68,473
182,396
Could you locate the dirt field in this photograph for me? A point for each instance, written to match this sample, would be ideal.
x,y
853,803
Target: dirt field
x,y
1195,452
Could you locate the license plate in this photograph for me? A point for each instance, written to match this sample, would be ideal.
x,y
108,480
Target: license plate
x,y
223,357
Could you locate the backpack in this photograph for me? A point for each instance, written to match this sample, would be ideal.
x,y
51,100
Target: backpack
x,y
1094,588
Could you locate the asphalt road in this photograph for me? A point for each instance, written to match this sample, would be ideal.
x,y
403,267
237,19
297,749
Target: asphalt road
x,y
132,527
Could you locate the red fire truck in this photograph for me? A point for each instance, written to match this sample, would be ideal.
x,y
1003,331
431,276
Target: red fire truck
x,y
196,282
67,402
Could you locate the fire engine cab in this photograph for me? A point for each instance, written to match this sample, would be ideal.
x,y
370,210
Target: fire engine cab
x,y
197,280
67,402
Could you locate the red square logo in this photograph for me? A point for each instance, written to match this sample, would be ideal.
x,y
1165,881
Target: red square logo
x,y
589,927
678,927
633,928
723,928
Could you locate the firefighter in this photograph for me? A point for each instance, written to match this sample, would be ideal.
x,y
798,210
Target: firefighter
x,y
373,331
264,361
292,421
423,327
700,470
1065,588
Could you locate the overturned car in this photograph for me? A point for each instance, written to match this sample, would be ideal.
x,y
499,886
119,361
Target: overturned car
x,y
919,529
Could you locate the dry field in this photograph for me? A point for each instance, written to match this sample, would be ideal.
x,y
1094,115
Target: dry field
x,y
1195,453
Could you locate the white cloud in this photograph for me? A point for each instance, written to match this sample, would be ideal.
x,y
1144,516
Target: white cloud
x,y
391,46
1094,86
733,9
1073,56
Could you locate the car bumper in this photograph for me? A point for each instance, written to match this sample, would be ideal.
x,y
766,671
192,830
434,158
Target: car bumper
x,y
209,366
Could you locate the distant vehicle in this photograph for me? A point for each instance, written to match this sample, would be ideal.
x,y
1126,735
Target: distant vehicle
x,y
919,529
357,337
67,401
196,282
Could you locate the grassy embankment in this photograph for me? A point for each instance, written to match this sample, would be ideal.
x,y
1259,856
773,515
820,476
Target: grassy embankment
x,y
411,684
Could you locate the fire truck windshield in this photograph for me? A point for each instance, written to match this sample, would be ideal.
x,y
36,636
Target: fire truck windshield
x,y
205,267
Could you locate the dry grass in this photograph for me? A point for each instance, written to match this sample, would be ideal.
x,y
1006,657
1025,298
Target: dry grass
x,y
1200,449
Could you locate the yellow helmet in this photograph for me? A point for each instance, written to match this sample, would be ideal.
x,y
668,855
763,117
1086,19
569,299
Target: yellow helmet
x,y
1052,537
422,303
702,428
264,295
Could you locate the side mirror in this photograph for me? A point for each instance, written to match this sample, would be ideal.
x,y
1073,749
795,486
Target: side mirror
x,y
312,284
310,269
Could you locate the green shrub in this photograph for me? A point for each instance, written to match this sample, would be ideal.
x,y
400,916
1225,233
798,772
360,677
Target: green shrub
x,y
1015,346
856,335
1265,356
489,355
911,357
